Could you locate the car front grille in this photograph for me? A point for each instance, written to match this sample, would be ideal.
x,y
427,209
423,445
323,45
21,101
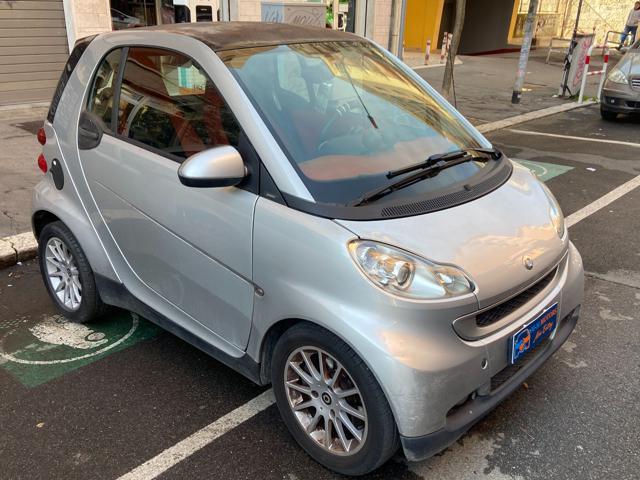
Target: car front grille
x,y
635,83
488,317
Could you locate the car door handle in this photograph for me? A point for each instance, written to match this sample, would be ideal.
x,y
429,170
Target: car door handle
x,y
92,135
89,131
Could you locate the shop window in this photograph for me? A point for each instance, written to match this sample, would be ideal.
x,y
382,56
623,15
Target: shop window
x,y
204,13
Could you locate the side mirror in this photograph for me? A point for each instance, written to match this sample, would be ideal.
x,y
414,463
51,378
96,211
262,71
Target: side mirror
x,y
216,167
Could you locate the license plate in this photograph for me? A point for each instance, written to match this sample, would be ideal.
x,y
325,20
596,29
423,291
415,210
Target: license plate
x,y
533,333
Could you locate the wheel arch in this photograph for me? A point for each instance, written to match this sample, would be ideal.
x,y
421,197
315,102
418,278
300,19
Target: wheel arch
x,y
40,219
278,328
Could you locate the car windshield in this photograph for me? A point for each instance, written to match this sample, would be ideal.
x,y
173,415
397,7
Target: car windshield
x,y
345,115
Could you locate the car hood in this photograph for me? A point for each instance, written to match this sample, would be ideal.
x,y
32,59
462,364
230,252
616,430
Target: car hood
x,y
488,237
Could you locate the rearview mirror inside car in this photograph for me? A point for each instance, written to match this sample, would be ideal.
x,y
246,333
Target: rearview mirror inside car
x,y
217,167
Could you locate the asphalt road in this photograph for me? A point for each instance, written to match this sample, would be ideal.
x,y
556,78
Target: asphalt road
x,y
138,390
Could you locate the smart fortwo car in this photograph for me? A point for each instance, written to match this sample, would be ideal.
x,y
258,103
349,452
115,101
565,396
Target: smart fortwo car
x,y
302,206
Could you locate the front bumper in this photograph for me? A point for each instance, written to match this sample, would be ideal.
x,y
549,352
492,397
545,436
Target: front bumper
x,y
466,415
620,99
445,394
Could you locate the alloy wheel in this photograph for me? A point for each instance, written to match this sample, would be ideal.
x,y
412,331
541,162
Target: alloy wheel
x,y
63,274
325,400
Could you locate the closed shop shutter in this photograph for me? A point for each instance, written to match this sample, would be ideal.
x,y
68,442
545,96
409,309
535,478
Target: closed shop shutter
x,y
33,49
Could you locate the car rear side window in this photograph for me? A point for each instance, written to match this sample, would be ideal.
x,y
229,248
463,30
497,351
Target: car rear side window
x,y
69,67
169,103
101,98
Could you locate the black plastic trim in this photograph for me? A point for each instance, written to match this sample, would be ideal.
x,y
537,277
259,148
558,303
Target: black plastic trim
x,y
57,173
209,182
420,448
69,67
117,295
486,181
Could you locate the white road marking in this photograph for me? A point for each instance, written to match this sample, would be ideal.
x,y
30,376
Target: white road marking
x,y
200,439
526,117
603,201
571,137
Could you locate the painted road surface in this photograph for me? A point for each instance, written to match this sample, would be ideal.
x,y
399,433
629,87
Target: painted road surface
x,y
75,403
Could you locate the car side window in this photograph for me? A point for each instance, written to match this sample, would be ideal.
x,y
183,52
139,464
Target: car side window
x,y
169,103
100,101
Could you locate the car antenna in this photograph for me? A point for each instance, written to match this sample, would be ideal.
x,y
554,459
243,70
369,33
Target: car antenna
x,y
371,119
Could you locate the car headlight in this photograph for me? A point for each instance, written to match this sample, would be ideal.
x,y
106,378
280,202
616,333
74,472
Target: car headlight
x,y
555,212
408,275
616,76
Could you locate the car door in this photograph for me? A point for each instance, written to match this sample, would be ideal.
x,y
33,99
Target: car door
x,y
187,247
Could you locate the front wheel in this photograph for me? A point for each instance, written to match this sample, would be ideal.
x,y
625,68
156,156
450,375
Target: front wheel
x,y
331,402
608,115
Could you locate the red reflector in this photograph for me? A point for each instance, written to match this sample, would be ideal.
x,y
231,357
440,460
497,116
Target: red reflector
x,y
42,136
42,163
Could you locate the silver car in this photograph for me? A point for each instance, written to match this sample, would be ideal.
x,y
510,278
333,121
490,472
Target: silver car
x,y
302,206
621,91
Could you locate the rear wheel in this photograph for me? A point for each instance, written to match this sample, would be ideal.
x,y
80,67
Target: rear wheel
x,y
608,115
67,274
331,402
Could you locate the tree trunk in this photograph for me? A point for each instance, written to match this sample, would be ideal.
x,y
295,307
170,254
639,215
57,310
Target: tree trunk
x,y
455,42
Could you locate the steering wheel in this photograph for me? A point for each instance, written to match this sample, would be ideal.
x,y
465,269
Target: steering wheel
x,y
327,132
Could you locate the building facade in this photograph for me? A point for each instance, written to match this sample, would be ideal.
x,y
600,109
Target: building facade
x,y
37,35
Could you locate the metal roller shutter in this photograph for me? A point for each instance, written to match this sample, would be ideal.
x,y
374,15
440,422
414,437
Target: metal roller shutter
x,y
33,49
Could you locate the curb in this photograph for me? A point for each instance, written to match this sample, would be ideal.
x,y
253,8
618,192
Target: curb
x,y
17,248
21,247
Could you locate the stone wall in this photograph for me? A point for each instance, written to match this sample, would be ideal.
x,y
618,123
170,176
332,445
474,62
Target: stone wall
x,y
604,15
89,17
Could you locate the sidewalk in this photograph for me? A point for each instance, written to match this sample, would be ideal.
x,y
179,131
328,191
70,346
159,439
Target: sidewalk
x,y
484,84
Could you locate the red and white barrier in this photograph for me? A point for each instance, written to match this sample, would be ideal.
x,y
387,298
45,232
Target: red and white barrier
x,y
427,54
587,73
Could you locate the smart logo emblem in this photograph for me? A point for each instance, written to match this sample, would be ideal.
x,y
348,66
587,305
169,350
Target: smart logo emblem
x,y
528,262
36,351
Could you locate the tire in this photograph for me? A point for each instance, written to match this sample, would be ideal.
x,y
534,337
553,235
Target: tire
x,y
379,436
62,262
608,115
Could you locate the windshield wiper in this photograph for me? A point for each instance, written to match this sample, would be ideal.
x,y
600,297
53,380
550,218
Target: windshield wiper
x,y
427,169
444,157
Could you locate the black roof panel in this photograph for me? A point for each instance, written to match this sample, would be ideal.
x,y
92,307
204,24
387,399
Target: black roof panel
x,y
231,35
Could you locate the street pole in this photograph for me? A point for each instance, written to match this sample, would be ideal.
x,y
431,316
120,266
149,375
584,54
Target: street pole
x,y
569,57
524,51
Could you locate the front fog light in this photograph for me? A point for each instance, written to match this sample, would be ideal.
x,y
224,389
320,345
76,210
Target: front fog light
x,y
408,275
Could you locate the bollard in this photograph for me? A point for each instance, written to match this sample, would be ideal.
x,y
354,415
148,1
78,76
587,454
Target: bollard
x,y
587,61
604,73
427,54
443,50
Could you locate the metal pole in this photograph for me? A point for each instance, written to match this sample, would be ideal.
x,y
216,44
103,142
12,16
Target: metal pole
x,y
403,15
524,51
569,57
